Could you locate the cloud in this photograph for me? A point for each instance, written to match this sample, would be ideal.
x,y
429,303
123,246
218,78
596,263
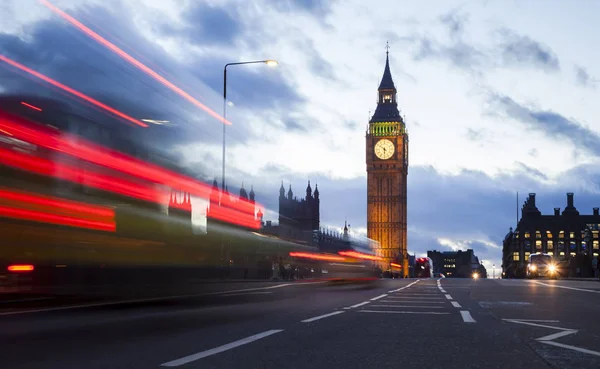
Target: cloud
x,y
320,8
209,25
583,78
474,135
459,54
316,63
519,50
550,123
456,22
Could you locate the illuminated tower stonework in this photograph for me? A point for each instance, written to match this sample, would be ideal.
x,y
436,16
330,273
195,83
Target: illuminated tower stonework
x,y
387,171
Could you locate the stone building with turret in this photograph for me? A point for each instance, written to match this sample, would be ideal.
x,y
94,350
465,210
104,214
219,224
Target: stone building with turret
x,y
570,237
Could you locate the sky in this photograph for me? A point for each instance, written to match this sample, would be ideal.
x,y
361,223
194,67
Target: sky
x,y
499,97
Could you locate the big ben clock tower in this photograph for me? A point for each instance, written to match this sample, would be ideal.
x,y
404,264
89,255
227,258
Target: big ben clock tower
x,y
387,171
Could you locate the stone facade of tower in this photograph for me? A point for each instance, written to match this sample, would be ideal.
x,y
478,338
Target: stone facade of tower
x,y
387,171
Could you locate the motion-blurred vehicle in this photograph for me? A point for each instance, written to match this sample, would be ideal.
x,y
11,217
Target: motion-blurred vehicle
x,y
90,204
423,268
542,265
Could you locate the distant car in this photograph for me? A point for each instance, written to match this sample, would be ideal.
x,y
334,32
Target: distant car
x,y
542,265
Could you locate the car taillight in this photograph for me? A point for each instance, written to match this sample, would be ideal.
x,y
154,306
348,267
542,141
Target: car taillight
x,y
21,268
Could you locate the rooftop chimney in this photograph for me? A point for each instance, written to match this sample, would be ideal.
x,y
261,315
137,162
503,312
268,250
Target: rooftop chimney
x,y
570,199
531,200
556,212
596,211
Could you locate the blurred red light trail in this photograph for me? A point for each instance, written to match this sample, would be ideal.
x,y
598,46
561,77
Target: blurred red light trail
x,y
72,91
57,204
42,217
112,47
88,151
108,183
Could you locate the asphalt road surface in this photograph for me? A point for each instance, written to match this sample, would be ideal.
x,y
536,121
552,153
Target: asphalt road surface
x,y
451,323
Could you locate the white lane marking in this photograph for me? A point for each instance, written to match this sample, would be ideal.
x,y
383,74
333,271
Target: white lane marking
x,y
247,293
217,350
443,291
410,306
413,301
378,297
519,321
176,297
554,336
359,304
565,287
466,316
549,338
402,312
407,286
400,297
448,297
322,316
456,304
579,349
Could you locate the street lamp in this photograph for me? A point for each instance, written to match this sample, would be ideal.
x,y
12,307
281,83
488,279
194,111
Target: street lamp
x,y
270,63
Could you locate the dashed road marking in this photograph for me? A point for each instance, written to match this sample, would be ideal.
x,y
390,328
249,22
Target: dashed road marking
x,y
466,316
448,297
378,297
217,350
403,312
407,286
322,316
456,304
357,305
247,293
411,306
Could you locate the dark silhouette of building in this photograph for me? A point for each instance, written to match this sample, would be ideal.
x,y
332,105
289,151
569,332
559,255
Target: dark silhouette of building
x,y
456,264
180,213
571,238
387,170
239,211
298,216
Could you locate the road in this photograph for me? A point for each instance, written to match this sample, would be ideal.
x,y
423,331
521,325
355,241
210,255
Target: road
x,y
453,323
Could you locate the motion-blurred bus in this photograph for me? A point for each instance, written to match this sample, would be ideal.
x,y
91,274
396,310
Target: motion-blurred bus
x,y
93,204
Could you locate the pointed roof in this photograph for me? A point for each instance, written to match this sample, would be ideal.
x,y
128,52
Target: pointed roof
x,y
387,83
386,111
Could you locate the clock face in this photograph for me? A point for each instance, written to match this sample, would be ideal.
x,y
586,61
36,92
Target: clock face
x,y
384,149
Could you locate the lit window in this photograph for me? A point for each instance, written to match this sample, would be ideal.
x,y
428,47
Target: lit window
x,y
550,245
595,233
526,234
561,234
527,256
571,234
548,234
562,253
595,244
538,245
595,254
516,256
538,234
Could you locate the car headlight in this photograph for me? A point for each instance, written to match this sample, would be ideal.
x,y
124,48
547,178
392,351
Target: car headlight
x,y
532,267
552,268
475,275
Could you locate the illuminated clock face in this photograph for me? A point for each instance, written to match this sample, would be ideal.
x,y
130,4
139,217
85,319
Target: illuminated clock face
x,y
384,149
